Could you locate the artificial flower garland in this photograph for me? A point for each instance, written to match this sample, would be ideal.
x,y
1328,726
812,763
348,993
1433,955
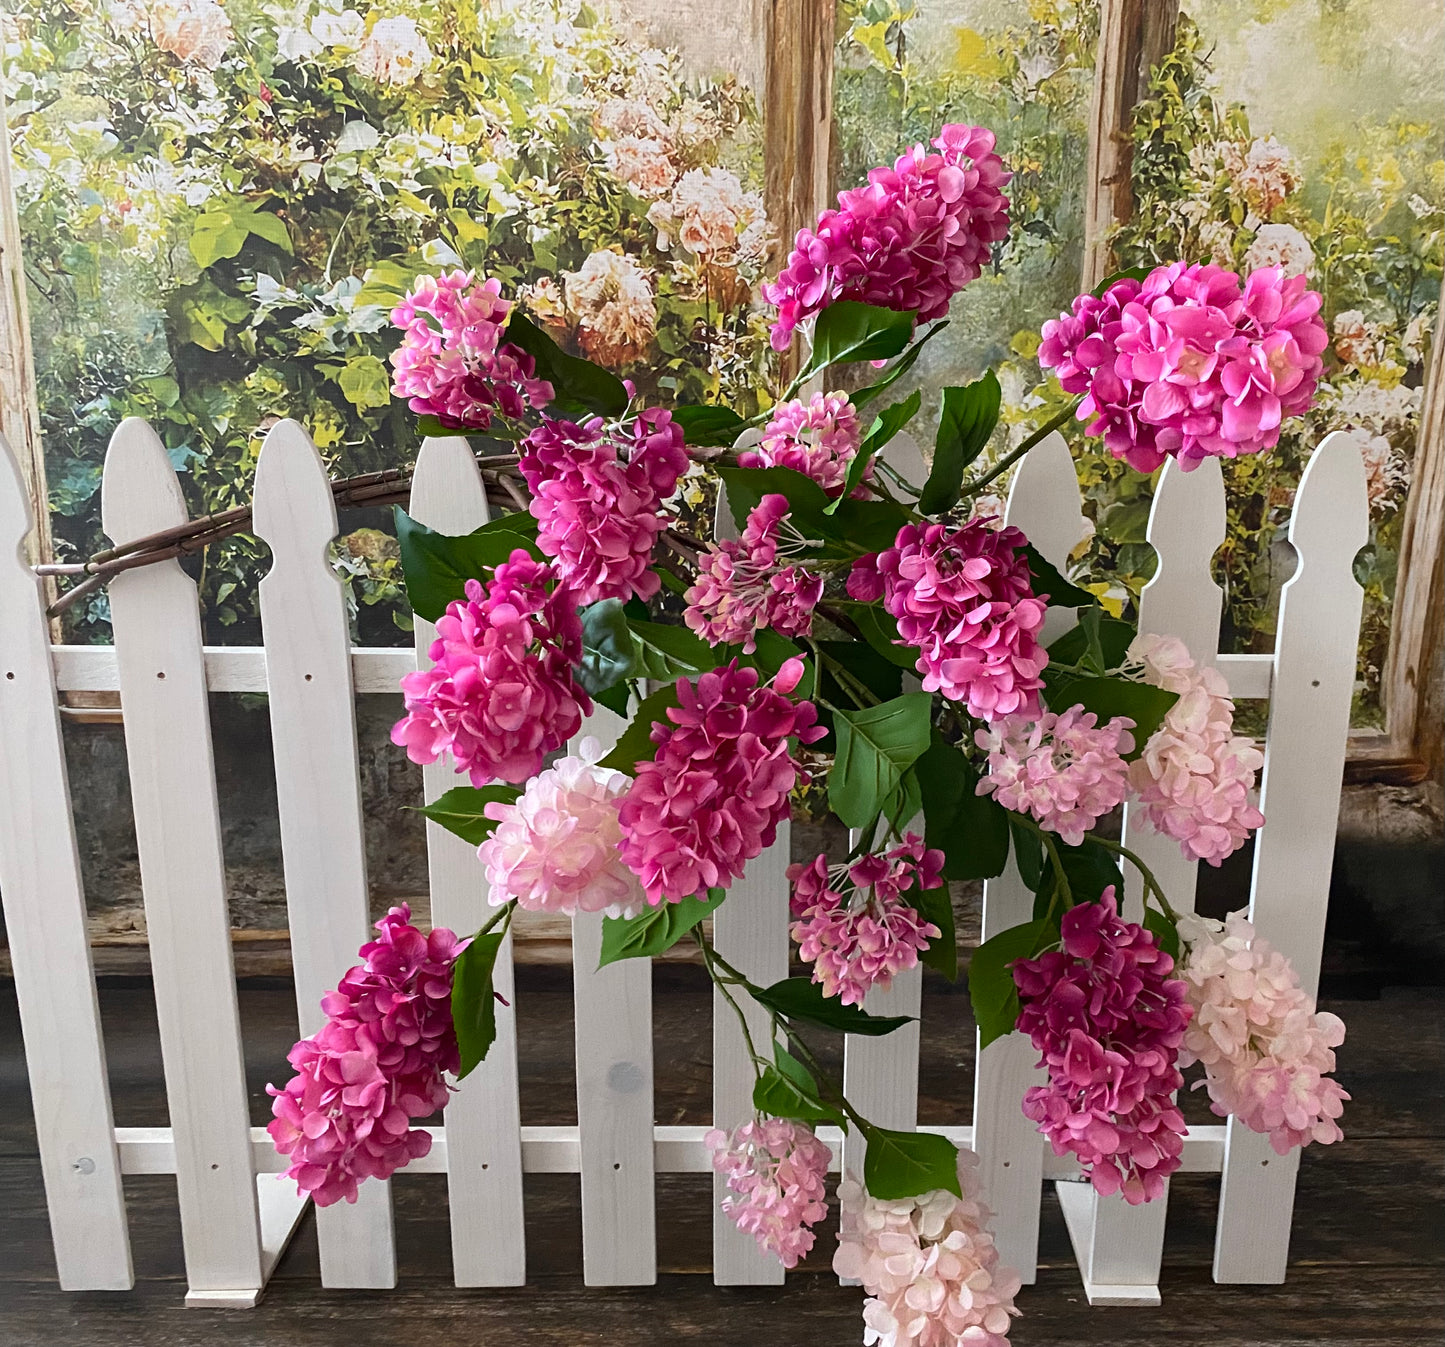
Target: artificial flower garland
x,y
788,663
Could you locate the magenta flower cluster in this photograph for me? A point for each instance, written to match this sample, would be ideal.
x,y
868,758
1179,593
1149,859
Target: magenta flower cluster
x,y
598,515
818,438
1109,1021
965,599
378,1063
777,1174
713,796
452,362
853,923
1067,770
500,694
910,240
744,586
1190,364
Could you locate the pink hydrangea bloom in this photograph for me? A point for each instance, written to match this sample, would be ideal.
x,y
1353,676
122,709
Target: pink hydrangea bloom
x,y
910,240
1109,1020
743,587
555,848
777,1171
500,693
378,1062
965,599
1067,770
598,514
452,362
853,923
818,438
1194,776
1190,364
928,1264
1267,1051
718,788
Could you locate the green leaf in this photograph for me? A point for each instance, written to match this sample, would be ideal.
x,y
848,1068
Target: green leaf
x,y
365,382
462,810
709,425
970,829
474,1005
1028,853
1089,868
862,396
800,998
875,746
906,803
1114,640
850,330
991,985
870,524
607,654
1048,580
807,501
964,427
1165,932
617,698
880,629
881,676
905,1164
885,426
577,384
1108,697
788,1090
656,930
936,906
665,652
1130,273
436,566
635,744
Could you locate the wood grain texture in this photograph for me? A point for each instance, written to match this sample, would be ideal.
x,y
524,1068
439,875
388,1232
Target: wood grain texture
x,y
157,626
318,789
45,924
485,1178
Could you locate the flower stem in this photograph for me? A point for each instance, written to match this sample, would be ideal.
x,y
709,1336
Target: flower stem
x,y
1013,456
712,961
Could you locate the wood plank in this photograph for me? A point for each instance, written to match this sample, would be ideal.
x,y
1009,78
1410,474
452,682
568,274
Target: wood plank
x,y
318,789
45,924
157,627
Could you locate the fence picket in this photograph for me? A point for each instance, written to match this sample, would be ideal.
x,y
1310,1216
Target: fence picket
x,y
484,1138
45,924
178,834
318,790
1304,761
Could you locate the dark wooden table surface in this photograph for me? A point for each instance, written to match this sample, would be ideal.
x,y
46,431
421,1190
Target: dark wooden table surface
x,y
1367,1265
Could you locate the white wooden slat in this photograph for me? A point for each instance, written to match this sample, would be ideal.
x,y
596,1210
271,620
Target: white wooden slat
x,y
45,924
318,788
1119,1247
880,1075
484,1181
1304,759
178,834
613,1008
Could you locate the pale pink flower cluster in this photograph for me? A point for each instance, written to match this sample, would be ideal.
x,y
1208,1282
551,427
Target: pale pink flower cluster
x,y
1267,1051
599,514
452,362
378,1062
928,1264
1387,472
713,216
714,795
1194,776
394,52
556,848
910,240
197,32
609,299
854,923
637,145
744,585
500,693
1265,174
965,599
1108,1019
777,1173
1188,364
1067,770
818,438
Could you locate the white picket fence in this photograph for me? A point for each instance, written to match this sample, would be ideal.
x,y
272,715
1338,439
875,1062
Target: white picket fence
x,y
236,1216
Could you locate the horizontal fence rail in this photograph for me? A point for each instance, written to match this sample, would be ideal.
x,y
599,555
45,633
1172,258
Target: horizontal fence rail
x,y
236,1216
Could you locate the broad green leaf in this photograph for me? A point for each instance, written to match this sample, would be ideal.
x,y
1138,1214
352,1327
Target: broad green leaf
x,y
365,382
1131,274
880,629
1165,932
635,743
617,698
869,524
881,676
1028,853
607,657
885,426
970,829
437,566
576,383
474,1005
747,486
788,1090
906,803
667,652
936,906
800,998
1089,869
656,929
709,425
876,745
850,330
462,810
862,396
904,1164
1144,704
1047,580
991,985
1114,640
964,427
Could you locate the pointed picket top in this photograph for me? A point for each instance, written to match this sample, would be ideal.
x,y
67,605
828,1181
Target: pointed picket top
x,y
294,510
1331,518
139,493
447,493
1044,500
15,521
1186,527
